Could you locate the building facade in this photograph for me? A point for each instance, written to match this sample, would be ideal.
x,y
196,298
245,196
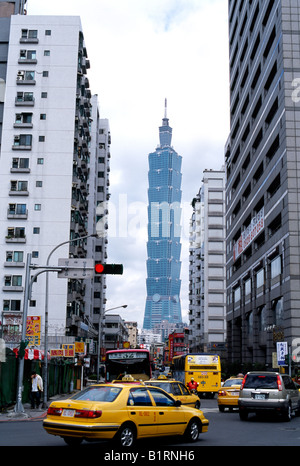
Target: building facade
x,y
163,246
207,268
45,169
262,193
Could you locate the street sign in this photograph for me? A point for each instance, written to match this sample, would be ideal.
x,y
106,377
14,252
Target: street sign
x,y
76,268
282,351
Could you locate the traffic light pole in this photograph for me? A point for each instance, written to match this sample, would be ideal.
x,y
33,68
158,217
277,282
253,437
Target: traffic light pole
x,y
19,406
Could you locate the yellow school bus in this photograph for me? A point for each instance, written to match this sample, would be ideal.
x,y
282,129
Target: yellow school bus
x,y
205,368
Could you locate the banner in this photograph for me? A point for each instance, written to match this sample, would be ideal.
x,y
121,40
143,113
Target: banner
x,y
33,331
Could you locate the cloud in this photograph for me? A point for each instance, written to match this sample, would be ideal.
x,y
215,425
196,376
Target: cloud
x,y
142,52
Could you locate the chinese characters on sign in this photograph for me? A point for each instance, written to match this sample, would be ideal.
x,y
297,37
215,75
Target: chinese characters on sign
x,y
33,331
256,226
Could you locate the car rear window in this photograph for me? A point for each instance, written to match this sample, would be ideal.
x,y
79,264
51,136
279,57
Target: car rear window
x,y
230,382
103,393
261,381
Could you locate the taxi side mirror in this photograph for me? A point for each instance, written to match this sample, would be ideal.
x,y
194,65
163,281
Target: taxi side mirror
x,y
178,403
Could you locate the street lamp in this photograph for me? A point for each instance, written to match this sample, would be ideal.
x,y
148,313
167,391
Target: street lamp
x,y
100,336
95,235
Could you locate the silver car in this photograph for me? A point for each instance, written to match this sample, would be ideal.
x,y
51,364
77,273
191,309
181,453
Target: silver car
x,y
265,391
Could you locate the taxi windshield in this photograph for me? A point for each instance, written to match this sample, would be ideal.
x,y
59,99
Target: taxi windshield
x,y
102,393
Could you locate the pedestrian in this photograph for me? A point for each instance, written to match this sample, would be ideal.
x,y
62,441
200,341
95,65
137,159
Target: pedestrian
x,y
36,389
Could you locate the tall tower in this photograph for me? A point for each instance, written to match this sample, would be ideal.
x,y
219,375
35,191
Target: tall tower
x,y
163,247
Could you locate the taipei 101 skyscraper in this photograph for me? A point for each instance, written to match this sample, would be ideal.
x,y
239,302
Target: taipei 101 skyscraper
x,y
163,246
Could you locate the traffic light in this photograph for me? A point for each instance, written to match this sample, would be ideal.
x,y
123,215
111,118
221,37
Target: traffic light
x,y
108,269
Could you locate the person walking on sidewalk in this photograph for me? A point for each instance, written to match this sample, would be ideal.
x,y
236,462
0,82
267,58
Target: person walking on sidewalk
x,y
36,389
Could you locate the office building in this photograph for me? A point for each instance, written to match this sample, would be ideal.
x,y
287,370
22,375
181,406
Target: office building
x,y
163,247
262,193
207,268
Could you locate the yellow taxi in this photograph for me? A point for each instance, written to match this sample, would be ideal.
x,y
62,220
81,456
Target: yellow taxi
x,y
228,395
122,413
177,390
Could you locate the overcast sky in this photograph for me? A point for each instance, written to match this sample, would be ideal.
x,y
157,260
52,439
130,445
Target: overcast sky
x,y
141,52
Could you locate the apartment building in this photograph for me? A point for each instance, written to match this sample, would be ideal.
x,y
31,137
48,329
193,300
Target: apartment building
x,y
7,10
262,193
207,269
44,171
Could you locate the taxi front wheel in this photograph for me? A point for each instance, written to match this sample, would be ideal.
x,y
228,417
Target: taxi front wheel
x,y
193,430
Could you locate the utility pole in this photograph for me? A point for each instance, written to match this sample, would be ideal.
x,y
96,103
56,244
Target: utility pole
x,y
19,406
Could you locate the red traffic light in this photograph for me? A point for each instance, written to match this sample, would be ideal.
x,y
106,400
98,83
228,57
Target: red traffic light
x,y
99,268
109,269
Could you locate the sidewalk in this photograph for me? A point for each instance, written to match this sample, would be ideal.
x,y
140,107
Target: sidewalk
x,y
30,414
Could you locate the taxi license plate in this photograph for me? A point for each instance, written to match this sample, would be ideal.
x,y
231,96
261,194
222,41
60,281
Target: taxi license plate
x,y
235,393
259,396
68,413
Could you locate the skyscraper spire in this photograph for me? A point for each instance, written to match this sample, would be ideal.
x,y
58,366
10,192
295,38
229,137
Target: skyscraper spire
x,y
165,131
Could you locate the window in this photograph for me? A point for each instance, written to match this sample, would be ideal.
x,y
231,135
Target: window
x,y
139,397
14,256
45,74
36,230
24,97
276,267
27,55
23,140
44,95
12,305
35,254
40,161
29,34
23,118
260,278
160,398
17,209
18,232
39,184
18,185
277,308
249,321
237,294
262,318
248,287
20,163
13,280
24,75
41,138
37,206
46,53
48,32
43,116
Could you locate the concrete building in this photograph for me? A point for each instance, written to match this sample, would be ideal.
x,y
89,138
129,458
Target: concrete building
x,y
132,334
262,193
207,269
44,171
115,332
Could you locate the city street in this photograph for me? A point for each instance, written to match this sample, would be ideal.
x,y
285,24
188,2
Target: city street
x,y
225,429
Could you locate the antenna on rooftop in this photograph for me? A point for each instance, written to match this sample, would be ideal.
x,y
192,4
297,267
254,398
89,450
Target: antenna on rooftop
x,y
165,108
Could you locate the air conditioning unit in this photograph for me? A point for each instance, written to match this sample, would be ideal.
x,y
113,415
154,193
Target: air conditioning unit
x,y
20,75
